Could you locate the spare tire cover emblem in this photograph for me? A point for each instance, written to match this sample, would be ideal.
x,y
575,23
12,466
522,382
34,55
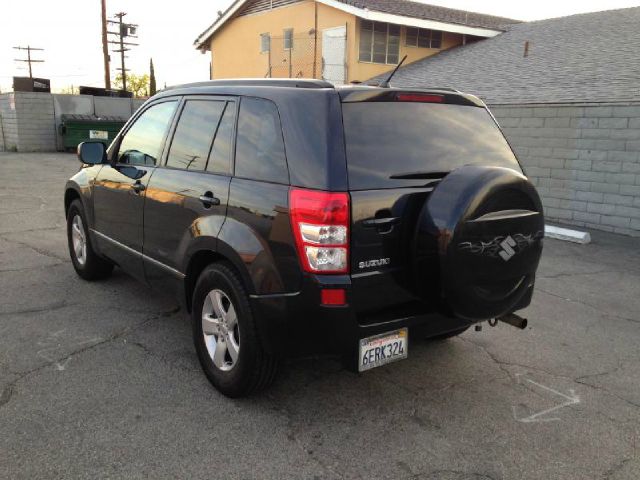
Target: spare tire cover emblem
x,y
503,247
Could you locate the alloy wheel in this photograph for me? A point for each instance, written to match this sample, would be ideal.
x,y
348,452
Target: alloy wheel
x,y
221,330
79,240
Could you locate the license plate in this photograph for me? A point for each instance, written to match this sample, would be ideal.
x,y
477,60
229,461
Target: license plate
x,y
98,134
382,349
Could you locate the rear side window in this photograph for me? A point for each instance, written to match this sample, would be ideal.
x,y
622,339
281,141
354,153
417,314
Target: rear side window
x,y
259,145
220,157
194,134
386,140
142,144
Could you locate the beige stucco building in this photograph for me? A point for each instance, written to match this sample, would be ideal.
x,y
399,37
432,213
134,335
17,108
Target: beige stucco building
x,y
339,40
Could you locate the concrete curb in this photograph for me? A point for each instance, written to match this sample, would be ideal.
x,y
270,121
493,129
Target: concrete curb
x,y
566,234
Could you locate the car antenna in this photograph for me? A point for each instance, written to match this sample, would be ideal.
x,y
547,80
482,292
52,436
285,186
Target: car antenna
x,y
385,83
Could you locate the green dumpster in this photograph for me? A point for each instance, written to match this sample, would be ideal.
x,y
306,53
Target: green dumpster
x,y
76,129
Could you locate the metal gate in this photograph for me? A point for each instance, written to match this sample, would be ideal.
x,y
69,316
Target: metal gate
x,y
334,50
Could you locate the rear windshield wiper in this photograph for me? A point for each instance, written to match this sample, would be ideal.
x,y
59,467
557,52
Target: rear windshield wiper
x,y
419,176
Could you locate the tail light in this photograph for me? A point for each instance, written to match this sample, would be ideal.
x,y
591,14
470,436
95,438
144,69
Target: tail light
x,y
320,222
419,97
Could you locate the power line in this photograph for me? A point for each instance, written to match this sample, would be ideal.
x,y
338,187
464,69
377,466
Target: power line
x,y
125,30
28,60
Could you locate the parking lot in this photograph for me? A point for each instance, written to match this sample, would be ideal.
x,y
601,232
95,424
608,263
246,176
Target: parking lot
x,y
101,379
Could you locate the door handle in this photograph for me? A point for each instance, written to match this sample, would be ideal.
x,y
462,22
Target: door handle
x,y
138,187
382,225
380,222
209,200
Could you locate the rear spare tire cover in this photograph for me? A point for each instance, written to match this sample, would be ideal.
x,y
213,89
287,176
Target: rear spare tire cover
x,y
478,241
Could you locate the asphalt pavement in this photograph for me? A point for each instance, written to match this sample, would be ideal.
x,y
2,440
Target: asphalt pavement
x,y
100,380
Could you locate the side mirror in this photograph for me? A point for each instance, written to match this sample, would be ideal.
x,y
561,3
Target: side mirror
x,y
92,153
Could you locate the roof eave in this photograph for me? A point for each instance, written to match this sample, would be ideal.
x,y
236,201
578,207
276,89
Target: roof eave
x,y
411,21
202,42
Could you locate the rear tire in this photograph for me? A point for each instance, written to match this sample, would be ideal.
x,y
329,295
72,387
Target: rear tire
x,y
225,335
85,261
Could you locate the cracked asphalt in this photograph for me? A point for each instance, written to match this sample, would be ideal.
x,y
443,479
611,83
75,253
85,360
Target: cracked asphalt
x,y
101,380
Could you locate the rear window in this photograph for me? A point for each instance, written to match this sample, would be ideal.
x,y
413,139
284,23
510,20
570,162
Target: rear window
x,y
385,139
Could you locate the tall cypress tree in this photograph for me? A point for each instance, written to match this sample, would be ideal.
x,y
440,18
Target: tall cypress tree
x,y
152,79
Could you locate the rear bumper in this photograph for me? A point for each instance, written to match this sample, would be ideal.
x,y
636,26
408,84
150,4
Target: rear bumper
x,y
296,324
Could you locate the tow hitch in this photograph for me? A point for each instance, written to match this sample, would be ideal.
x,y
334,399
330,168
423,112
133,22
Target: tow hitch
x,y
512,319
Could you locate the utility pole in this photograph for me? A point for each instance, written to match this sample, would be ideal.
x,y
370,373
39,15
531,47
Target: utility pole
x,y
105,46
29,60
124,30
122,50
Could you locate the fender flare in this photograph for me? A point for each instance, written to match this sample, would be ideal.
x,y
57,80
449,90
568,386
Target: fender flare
x,y
214,250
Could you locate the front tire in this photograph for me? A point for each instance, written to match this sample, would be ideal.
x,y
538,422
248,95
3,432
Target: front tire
x,y
225,335
85,261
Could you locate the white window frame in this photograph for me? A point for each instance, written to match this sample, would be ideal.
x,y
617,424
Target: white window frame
x,y
287,35
386,56
264,36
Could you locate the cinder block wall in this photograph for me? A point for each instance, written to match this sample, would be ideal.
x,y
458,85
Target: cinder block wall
x,y
36,124
30,120
584,160
9,123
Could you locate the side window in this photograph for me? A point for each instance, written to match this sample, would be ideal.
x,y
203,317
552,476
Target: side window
x,y
259,146
220,156
436,39
288,38
194,134
419,37
379,42
142,144
265,42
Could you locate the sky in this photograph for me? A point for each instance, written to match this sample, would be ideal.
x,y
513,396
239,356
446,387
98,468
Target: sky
x,y
69,31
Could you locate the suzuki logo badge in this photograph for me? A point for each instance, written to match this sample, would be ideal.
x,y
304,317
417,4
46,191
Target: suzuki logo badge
x,y
507,248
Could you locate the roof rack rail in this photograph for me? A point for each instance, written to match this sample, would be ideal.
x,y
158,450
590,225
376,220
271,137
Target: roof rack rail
x,y
259,82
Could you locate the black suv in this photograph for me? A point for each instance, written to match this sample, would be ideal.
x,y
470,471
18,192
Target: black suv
x,y
293,217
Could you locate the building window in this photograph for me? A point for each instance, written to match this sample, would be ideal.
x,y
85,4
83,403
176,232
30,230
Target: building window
x,y
419,37
265,42
379,42
288,39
